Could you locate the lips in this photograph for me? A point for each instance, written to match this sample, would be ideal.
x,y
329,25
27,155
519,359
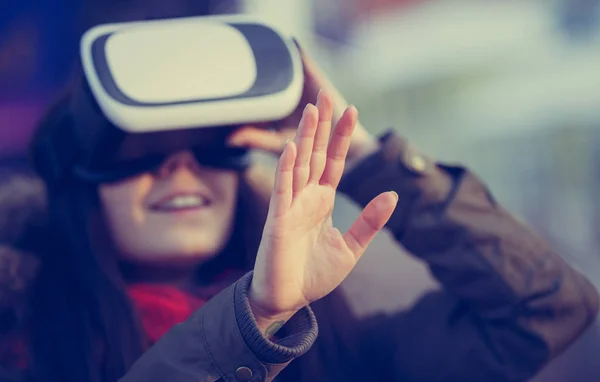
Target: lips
x,y
180,202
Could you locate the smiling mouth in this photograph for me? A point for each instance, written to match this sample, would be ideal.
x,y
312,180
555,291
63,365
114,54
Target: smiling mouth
x,y
181,203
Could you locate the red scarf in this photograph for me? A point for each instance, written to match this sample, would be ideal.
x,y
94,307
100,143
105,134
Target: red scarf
x,y
162,306
159,307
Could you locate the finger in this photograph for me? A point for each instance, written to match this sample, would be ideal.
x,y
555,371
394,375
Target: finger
x,y
338,148
319,150
305,137
282,197
371,220
257,138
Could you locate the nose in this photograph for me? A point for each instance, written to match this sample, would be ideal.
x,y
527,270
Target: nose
x,y
179,161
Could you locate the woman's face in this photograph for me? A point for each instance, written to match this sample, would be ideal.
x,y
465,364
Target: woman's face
x,y
181,214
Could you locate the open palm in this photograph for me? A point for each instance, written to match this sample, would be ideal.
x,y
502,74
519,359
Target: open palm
x,y
302,257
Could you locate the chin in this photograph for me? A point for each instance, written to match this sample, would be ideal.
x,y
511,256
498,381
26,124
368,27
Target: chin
x,y
172,257
191,249
179,246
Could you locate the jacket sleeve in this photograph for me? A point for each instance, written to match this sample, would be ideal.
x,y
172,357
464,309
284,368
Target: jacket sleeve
x,y
509,302
221,342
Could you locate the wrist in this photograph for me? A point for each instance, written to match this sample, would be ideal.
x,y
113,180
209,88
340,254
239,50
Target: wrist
x,y
268,321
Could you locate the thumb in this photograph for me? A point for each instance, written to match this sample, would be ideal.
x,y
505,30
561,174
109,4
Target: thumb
x,y
372,219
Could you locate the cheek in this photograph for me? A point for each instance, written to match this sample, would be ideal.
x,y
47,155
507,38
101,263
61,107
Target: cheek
x,y
231,187
123,205
225,190
228,188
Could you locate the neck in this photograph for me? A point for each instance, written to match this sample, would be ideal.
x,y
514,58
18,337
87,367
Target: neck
x,y
183,277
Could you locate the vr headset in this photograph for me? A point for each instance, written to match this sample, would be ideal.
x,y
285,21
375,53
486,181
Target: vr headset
x,y
151,88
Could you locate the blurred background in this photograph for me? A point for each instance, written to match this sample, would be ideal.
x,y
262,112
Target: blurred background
x,y
509,87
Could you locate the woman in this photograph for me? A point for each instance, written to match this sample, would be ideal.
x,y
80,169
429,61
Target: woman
x,y
509,304
132,258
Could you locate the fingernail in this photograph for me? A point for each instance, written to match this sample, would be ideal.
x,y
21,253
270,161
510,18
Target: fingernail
x,y
395,195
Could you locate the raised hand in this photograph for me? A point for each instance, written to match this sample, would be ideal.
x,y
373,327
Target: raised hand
x,y
302,257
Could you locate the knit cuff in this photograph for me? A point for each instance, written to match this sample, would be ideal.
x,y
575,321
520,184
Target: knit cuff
x,y
294,338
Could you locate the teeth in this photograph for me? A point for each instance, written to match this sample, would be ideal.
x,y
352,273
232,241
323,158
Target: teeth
x,y
184,201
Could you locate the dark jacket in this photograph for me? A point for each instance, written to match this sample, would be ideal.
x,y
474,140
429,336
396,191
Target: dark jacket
x,y
509,303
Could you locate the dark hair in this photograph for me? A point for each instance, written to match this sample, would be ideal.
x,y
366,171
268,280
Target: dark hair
x,y
83,325
78,310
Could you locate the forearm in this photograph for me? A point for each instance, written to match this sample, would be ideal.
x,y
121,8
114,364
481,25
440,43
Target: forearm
x,y
498,270
222,337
